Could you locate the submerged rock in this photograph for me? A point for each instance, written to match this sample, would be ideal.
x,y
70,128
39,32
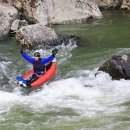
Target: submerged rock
x,y
117,67
4,80
2,60
57,11
7,15
36,34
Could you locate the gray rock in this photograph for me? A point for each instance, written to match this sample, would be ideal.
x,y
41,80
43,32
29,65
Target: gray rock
x,y
125,4
57,11
36,34
7,15
17,24
117,67
108,3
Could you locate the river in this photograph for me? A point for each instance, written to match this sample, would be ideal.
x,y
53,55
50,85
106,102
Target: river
x,y
76,98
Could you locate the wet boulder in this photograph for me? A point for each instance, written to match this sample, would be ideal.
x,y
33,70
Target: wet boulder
x,y
7,15
36,34
118,67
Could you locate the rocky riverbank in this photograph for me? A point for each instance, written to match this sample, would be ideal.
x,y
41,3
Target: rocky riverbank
x,y
32,20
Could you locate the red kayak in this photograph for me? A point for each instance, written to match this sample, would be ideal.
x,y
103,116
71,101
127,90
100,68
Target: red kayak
x,y
42,79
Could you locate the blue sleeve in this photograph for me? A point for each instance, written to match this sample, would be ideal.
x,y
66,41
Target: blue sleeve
x,y
28,58
46,60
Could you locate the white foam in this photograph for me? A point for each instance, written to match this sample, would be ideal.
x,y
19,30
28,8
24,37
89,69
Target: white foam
x,y
103,95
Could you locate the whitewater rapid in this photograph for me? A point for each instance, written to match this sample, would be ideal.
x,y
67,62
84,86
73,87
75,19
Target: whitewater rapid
x,y
84,94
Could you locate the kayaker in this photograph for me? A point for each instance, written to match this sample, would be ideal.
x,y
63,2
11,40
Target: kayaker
x,y
38,66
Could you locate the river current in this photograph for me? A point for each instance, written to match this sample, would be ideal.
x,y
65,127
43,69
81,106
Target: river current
x,y
76,98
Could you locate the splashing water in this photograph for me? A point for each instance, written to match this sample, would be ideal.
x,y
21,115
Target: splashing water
x,y
100,97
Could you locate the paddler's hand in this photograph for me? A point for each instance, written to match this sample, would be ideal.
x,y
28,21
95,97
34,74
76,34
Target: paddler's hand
x,y
54,52
21,51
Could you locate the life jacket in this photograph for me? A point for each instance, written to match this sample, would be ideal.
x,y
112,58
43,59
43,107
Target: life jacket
x,y
37,66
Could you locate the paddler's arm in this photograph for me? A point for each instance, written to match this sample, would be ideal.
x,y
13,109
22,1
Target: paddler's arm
x,y
47,60
50,58
27,57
